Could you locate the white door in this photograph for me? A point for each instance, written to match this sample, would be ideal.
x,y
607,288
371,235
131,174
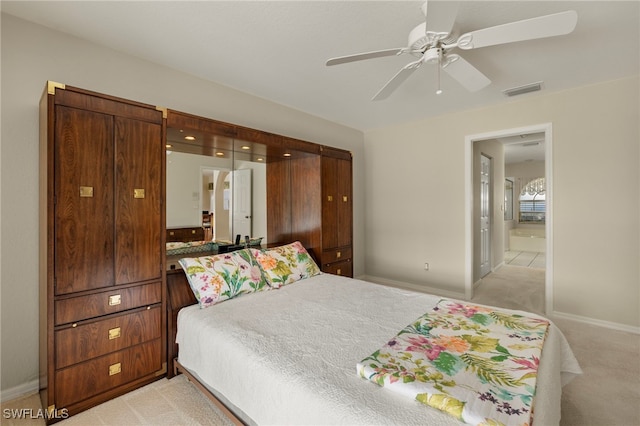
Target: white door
x,y
485,215
241,203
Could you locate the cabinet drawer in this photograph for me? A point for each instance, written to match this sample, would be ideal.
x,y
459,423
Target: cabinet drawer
x,y
91,378
344,268
76,344
108,302
336,255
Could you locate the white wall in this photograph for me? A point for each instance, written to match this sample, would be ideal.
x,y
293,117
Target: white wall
x,y
415,197
31,55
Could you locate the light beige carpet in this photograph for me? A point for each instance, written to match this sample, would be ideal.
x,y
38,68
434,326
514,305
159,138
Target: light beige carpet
x,y
607,394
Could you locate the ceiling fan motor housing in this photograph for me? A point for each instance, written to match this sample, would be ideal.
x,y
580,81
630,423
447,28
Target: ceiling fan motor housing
x,y
432,55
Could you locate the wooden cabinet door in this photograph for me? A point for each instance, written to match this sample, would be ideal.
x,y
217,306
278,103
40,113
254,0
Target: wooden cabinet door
x,y
336,203
344,206
83,174
138,202
330,200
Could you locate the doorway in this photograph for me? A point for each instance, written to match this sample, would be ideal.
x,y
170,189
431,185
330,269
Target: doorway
x,y
471,202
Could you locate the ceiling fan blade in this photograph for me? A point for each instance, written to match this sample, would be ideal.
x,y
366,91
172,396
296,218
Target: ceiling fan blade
x,y
528,29
465,73
363,56
397,80
441,15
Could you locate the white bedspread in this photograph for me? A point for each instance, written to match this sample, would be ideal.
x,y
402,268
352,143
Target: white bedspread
x,y
288,356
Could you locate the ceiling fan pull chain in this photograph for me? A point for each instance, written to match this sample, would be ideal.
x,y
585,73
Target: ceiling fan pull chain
x,y
439,91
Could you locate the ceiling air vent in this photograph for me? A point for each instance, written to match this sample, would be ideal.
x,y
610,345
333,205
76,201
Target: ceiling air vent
x,y
521,90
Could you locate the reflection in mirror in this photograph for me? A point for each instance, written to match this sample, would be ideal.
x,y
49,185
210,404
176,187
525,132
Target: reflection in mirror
x,y
188,195
218,184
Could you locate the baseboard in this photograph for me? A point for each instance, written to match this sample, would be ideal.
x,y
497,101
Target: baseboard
x,y
597,322
498,266
415,287
19,391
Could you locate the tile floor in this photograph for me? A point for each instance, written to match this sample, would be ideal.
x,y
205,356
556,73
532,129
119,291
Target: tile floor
x,y
525,258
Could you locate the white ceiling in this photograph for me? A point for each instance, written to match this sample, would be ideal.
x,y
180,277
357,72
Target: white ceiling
x,y
522,148
277,49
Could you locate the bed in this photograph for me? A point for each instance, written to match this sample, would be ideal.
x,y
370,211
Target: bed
x,y
289,355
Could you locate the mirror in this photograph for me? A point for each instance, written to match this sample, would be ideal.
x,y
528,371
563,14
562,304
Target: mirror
x,y
217,183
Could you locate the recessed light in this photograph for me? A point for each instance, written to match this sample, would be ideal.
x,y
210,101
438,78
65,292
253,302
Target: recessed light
x,y
286,154
168,145
220,154
259,159
190,138
245,147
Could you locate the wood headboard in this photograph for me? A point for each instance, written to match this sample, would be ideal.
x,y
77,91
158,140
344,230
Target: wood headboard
x,y
179,295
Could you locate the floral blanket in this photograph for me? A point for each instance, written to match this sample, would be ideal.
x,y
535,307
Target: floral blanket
x,y
478,364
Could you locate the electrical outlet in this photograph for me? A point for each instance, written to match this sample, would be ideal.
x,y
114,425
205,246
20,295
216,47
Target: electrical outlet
x,y
426,266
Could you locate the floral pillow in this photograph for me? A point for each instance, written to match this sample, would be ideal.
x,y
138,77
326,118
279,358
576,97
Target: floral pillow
x,y
214,279
286,264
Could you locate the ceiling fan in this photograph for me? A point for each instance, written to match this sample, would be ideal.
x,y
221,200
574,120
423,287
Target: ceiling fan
x,y
433,40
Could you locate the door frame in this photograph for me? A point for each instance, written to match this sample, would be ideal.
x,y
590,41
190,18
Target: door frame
x,y
548,169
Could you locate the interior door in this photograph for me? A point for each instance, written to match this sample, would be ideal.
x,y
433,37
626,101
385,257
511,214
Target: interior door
x,y
485,215
242,202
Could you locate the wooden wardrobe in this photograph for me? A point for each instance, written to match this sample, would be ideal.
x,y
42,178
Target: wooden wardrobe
x,y
316,191
309,185
103,299
102,254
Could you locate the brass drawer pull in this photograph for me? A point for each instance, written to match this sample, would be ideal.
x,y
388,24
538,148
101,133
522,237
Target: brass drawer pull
x,y
345,198
339,271
138,193
114,333
115,369
115,300
338,255
329,197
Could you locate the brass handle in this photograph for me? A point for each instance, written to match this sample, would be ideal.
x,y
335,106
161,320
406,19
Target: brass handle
x,y
345,198
115,369
115,300
329,197
138,193
193,231
338,255
339,271
172,233
86,191
114,333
